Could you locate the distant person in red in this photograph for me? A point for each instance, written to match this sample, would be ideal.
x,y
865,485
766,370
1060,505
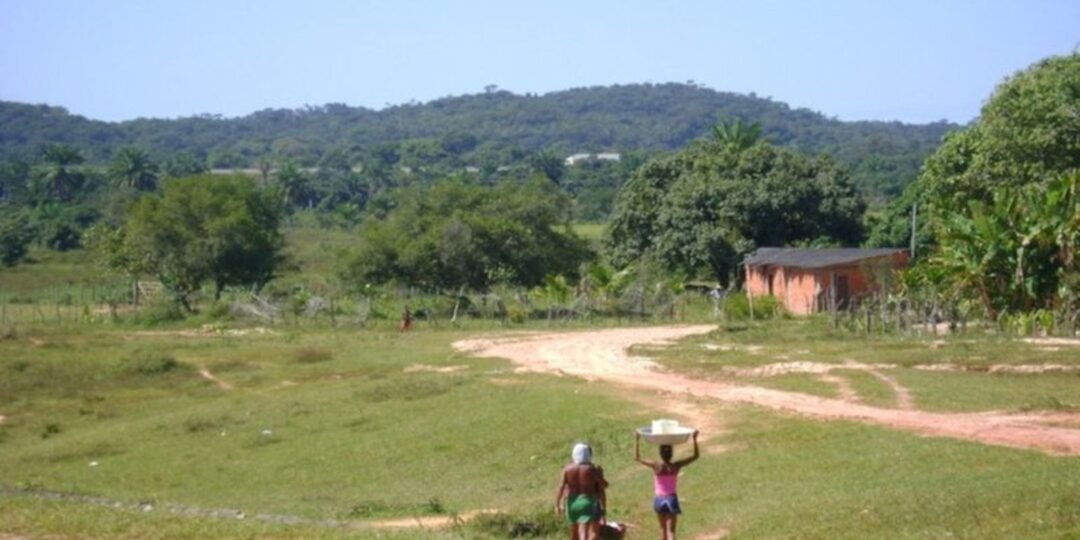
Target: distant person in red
x,y
583,491
666,480
406,320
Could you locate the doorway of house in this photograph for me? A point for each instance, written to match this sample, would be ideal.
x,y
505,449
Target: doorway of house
x,y
842,292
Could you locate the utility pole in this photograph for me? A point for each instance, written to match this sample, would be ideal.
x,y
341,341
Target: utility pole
x,y
914,222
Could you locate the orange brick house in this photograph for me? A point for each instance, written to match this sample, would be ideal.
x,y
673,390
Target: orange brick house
x,y
809,280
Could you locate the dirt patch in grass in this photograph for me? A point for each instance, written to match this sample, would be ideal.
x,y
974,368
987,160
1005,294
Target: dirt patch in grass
x,y
205,373
1032,368
416,368
1000,368
206,330
427,522
601,356
717,534
1047,341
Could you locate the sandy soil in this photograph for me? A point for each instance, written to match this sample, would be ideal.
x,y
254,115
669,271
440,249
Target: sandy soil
x,y
843,387
416,368
718,534
1068,342
1001,368
206,330
422,522
205,373
601,355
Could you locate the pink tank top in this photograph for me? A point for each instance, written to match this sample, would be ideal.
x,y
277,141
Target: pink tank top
x,y
666,484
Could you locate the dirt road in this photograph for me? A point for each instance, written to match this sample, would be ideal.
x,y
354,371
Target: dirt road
x,y
602,355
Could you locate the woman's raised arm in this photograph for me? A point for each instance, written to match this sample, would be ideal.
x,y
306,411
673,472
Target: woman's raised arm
x,y
693,458
637,452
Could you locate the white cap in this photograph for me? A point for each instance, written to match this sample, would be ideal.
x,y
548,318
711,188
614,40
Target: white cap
x,y
582,453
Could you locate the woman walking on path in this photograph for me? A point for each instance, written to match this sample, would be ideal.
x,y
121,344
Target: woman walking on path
x,y
584,489
666,479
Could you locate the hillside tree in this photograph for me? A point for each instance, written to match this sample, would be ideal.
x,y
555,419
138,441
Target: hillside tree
x,y
702,210
209,228
453,235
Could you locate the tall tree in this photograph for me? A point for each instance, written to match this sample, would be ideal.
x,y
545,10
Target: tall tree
x,y
1028,132
132,168
452,235
60,179
294,185
548,164
184,164
221,229
1017,253
702,210
737,136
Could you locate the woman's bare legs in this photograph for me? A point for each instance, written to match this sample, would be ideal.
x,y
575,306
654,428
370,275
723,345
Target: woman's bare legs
x,y
663,519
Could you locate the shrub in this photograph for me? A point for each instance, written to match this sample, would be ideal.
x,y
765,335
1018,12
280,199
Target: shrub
x,y
143,363
219,311
737,307
517,314
161,310
198,424
15,236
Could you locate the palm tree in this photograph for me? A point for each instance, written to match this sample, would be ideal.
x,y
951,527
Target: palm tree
x,y
737,135
294,185
132,167
59,180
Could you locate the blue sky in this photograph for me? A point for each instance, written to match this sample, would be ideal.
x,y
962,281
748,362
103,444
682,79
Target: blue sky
x,y
915,61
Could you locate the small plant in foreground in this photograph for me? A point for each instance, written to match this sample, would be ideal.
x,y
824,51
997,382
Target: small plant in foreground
x,y
144,363
51,428
434,506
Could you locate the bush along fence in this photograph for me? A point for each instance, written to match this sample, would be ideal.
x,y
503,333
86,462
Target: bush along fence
x,y
66,304
915,314
902,311
556,302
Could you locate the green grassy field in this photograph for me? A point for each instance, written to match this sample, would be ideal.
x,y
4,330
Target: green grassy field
x,y
342,425
338,429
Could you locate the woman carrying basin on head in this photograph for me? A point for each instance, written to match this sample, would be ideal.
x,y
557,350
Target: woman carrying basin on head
x,y
665,480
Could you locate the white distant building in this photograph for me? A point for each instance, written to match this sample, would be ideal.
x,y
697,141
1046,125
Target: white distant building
x,y
577,158
581,158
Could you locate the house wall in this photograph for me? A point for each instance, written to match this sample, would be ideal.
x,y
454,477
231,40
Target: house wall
x,y
799,289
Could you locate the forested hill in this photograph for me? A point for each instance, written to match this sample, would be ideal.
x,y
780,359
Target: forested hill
x,y
487,126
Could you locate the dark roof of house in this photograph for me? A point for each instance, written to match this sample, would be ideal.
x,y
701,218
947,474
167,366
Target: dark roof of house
x,y
814,258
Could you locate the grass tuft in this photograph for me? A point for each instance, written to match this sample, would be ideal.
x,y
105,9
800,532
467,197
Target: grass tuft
x,y
538,524
149,363
410,389
51,429
311,355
